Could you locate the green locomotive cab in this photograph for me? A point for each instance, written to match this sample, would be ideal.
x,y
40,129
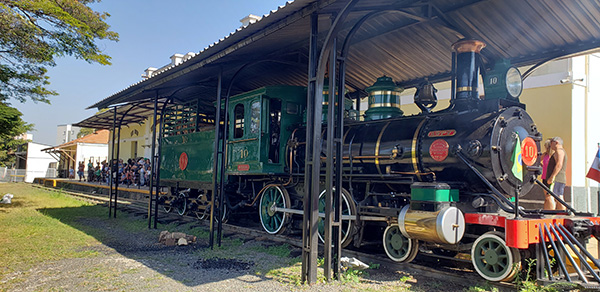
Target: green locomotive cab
x,y
259,126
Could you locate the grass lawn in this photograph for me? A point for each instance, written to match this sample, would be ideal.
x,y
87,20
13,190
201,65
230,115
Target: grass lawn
x,y
29,236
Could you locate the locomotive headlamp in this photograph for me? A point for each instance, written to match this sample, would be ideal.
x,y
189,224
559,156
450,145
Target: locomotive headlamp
x,y
503,82
514,82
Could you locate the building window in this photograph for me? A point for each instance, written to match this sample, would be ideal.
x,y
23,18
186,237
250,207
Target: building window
x,y
238,121
255,117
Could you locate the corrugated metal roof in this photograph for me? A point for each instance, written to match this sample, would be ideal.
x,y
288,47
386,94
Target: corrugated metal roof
x,y
410,44
129,113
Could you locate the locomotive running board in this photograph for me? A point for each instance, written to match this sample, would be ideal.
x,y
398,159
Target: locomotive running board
x,y
576,257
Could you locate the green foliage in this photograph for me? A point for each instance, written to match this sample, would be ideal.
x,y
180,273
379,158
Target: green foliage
x,y
11,125
484,288
282,250
34,32
351,276
525,281
85,132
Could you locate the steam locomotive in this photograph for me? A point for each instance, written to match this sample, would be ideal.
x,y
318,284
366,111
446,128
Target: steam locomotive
x,y
445,181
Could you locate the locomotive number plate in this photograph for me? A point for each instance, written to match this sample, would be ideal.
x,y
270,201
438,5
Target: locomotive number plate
x,y
441,133
529,151
183,161
439,150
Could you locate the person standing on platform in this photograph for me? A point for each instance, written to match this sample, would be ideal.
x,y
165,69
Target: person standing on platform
x,y
90,167
549,203
80,169
558,165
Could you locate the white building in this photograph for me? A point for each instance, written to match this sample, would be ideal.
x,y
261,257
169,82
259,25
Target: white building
x,y
66,133
33,162
92,147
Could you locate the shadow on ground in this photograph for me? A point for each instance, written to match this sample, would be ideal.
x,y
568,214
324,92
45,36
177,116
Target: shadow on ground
x,y
240,258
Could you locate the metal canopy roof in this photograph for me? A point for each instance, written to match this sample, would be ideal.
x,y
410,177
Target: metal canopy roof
x,y
135,112
409,41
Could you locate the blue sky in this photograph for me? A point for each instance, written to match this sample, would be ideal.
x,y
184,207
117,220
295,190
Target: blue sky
x,y
150,32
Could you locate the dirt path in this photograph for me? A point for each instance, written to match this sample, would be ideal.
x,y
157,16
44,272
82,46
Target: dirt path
x,y
127,260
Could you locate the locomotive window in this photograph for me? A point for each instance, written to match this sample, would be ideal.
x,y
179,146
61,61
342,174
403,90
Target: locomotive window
x,y
238,114
255,117
274,129
292,108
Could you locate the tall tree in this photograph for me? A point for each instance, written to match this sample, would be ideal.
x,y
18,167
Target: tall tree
x,y
34,32
85,132
11,125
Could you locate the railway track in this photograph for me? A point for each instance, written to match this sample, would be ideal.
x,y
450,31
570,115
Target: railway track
x,y
435,266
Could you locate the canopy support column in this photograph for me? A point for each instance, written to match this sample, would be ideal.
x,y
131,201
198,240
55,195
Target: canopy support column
x,y
113,168
218,156
153,164
312,168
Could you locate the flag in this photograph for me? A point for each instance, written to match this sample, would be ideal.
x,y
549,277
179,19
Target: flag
x,y
517,160
594,172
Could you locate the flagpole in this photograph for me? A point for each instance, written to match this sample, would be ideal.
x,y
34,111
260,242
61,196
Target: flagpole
x,y
517,192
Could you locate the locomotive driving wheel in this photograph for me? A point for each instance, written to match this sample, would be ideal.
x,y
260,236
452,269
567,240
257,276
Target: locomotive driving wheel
x,y
274,221
167,207
493,259
181,204
348,209
397,246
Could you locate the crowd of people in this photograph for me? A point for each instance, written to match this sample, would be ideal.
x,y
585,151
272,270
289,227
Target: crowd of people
x,y
133,172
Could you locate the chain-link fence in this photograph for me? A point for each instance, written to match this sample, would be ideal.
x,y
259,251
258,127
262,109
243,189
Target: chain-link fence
x,y
12,175
19,175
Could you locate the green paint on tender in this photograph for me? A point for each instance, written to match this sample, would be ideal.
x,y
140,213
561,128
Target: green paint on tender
x,y
199,147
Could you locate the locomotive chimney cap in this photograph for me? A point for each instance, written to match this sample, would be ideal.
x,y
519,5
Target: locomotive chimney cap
x,y
468,46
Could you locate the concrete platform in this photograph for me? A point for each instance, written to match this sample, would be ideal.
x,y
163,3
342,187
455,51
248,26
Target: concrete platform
x,y
129,192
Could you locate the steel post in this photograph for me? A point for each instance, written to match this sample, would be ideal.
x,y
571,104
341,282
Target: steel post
x,y
309,221
160,137
329,162
152,162
112,161
216,157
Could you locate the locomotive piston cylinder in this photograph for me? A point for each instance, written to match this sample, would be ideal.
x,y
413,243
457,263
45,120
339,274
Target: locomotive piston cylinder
x,y
446,226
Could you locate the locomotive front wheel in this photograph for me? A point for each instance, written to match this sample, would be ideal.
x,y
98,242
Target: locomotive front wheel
x,y
398,247
274,221
493,260
348,209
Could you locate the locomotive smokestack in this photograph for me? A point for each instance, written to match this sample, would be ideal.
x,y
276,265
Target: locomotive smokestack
x,y
467,69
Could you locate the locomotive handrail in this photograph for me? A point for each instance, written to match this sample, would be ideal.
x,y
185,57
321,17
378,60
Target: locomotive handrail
x,y
239,141
506,209
492,188
556,197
